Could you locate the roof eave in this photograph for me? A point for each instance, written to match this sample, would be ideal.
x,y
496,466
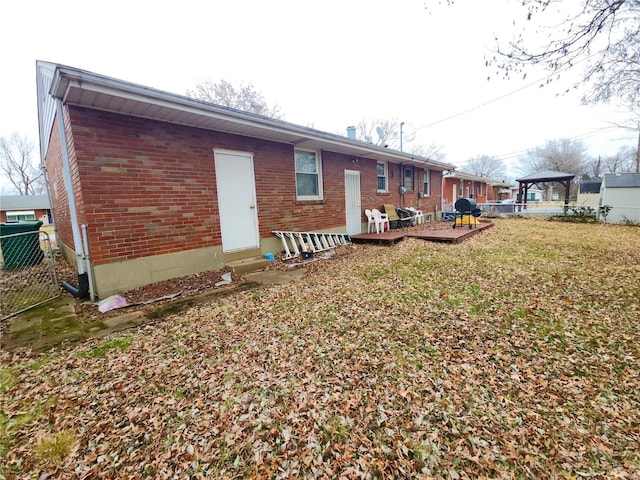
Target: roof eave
x,y
468,176
82,88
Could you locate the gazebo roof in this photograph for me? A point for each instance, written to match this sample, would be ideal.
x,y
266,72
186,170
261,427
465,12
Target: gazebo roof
x,y
546,176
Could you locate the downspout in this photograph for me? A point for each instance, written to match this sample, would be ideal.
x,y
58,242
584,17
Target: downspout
x,y
83,278
87,260
402,187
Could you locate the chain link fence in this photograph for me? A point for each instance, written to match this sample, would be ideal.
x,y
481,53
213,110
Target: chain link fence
x,y
28,272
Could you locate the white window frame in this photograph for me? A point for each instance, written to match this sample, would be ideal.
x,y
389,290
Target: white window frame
x,y
426,184
386,177
320,195
21,213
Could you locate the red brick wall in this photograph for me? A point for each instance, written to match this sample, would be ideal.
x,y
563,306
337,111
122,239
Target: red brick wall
x,y
59,199
148,187
468,187
478,190
428,204
432,203
276,191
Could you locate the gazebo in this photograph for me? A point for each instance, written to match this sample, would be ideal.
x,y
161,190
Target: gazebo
x,y
542,177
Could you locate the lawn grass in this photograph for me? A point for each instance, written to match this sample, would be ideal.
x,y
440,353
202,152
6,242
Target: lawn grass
x,y
515,354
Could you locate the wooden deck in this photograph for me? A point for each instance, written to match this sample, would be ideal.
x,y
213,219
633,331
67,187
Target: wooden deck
x,y
386,238
441,232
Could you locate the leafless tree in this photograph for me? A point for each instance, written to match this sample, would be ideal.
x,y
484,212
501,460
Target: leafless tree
x,y
17,163
562,155
602,33
595,167
598,36
486,166
432,151
379,132
623,162
244,97
388,133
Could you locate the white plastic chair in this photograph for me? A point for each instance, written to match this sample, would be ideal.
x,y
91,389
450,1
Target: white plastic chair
x,y
417,214
371,221
381,219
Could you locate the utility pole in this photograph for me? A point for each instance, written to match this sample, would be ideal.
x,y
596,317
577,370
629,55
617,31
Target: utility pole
x,y
637,152
402,123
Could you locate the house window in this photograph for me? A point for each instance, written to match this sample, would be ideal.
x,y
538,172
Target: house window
x,y
427,175
21,216
383,185
308,175
408,178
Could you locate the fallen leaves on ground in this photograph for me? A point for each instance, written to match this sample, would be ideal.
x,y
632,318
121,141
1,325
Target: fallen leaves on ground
x,y
514,354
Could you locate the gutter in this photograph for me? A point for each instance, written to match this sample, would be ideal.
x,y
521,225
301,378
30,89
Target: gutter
x,y
66,80
82,291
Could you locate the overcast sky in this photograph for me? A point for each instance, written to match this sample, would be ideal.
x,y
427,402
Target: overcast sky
x,y
327,64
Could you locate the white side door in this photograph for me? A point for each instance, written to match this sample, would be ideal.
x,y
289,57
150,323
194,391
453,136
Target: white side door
x,y
352,201
236,187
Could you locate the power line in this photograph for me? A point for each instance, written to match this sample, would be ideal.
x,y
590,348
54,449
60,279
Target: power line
x,y
516,154
536,82
477,107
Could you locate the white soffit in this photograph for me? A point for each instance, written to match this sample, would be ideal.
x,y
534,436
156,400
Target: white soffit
x,y
77,87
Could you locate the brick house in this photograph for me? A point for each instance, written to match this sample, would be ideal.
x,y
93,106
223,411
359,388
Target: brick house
x,y
499,191
460,184
165,186
24,208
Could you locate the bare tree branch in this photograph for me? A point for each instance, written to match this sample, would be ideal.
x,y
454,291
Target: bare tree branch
x,y
487,167
245,97
603,33
386,133
562,155
17,164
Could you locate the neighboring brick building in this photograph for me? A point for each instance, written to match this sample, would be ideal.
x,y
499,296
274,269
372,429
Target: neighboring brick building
x,y
499,191
460,184
25,208
168,186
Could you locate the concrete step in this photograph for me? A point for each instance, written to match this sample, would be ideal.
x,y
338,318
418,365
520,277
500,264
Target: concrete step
x,y
242,255
246,265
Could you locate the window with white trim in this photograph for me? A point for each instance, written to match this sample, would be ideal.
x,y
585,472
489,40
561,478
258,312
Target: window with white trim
x,y
21,216
383,182
308,175
427,180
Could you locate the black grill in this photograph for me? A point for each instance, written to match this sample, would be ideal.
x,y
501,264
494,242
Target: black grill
x,y
466,207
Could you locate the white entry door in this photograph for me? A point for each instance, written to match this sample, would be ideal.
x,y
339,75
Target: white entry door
x,y
237,201
352,201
